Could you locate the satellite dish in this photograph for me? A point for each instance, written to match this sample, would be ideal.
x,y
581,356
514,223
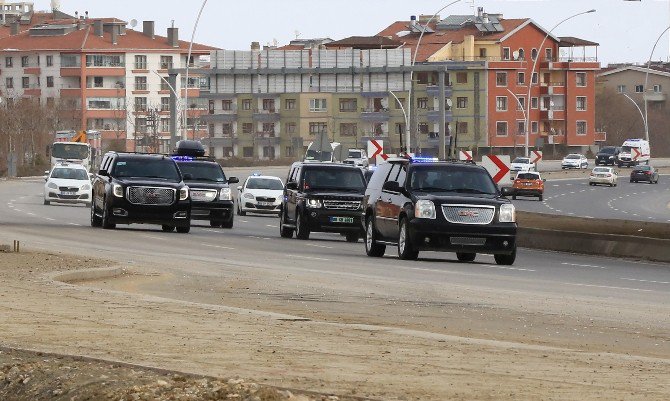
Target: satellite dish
x,y
551,103
385,103
449,102
515,54
133,23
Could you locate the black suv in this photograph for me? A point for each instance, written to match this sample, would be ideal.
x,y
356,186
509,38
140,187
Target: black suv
x,y
608,155
438,206
322,197
211,198
140,188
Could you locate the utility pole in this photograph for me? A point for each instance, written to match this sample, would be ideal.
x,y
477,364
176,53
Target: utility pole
x,y
152,123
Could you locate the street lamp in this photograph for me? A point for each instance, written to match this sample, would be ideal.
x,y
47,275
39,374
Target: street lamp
x,y
646,80
532,71
525,119
411,72
644,119
402,108
188,59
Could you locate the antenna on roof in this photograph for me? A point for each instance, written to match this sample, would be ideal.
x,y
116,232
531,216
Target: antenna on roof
x,y
55,5
297,33
133,23
173,23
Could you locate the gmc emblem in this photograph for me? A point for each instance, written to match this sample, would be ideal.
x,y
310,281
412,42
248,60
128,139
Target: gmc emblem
x,y
468,213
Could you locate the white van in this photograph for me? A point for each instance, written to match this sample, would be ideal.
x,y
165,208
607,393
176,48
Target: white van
x,y
634,152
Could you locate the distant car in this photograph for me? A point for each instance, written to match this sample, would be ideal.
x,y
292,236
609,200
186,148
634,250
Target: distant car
x,y
644,173
574,160
528,183
522,164
608,155
603,175
357,157
260,194
67,183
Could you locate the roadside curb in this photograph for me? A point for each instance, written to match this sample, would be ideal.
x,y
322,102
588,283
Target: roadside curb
x,y
87,275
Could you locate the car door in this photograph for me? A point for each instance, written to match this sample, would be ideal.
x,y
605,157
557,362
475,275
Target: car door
x,y
291,195
398,200
102,181
387,212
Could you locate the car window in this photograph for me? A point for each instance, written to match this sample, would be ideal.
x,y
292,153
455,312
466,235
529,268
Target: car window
x,y
445,178
643,168
521,160
528,176
573,157
264,183
609,150
355,154
165,169
601,170
333,178
202,171
379,176
69,174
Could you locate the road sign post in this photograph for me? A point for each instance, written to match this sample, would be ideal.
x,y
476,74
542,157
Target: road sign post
x,y
465,155
498,167
376,150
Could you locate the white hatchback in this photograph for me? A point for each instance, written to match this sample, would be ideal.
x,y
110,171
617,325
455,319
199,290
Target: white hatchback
x,y
68,183
260,194
603,175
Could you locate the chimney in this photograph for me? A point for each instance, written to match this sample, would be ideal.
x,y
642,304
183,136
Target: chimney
x,y
255,46
173,37
485,18
115,36
148,28
98,28
14,28
480,11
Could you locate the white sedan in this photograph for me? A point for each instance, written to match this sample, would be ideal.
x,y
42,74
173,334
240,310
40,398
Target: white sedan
x,y
260,194
522,164
574,160
68,183
603,175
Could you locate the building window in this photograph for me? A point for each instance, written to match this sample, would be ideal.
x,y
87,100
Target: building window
x,y
621,88
140,83
165,85
534,78
166,62
25,82
288,151
521,78
501,103
210,106
165,125
317,105
422,103
501,128
399,103
140,62
50,61
226,105
247,128
462,77
462,127
461,102
248,151
165,104
657,88
97,82
423,128
520,103
25,61
581,127
246,104
8,62
501,79
290,128
520,127
399,128
534,127
581,78
104,60
348,105
269,128
534,102
99,104
140,104
505,54
533,54
482,52
289,104
639,88
227,129
269,105
141,125
548,54
9,82
522,54
317,128
348,129
50,82
581,103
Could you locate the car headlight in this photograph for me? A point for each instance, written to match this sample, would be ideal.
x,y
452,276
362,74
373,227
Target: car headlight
x,y
507,213
225,194
314,203
247,195
118,191
52,185
424,209
611,157
183,193
85,187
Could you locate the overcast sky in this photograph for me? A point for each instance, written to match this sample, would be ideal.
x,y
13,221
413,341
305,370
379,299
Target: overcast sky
x,y
626,30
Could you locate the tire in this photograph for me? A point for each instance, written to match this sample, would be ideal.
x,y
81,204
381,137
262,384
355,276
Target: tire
x,y
214,223
372,248
353,237
405,251
284,232
301,229
105,218
506,260
167,228
95,220
240,212
591,184
513,197
540,198
228,223
184,229
466,256
46,202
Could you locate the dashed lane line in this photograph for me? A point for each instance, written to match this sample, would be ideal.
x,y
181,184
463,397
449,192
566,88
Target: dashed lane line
x,y
319,246
582,265
609,287
306,257
218,246
644,281
507,268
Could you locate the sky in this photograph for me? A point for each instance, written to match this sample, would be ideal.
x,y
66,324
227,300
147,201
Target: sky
x,y
625,30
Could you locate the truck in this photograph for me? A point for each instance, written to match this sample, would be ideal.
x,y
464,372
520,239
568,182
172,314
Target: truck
x,y
315,154
634,152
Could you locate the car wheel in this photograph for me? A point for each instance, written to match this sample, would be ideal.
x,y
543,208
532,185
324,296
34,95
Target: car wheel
x,y
540,198
46,202
301,229
513,197
466,256
284,232
184,229
506,260
95,220
405,250
590,183
353,237
372,248
167,228
214,223
241,212
105,218
228,223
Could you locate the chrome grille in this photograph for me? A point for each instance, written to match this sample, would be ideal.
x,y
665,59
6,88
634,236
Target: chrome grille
x,y
467,241
342,204
265,199
203,195
151,195
468,214
70,189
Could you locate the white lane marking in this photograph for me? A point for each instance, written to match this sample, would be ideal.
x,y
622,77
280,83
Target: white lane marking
x,y
12,200
319,246
609,287
244,221
30,213
218,246
645,281
212,231
589,217
507,268
256,237
580,265
155,237
74,224
50,219
306,257
18,210
272,226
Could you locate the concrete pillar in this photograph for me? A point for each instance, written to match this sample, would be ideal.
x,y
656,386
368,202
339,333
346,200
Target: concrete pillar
x,y
443,117
172,80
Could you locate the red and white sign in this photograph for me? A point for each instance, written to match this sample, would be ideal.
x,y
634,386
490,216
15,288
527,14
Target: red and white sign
x,y
497,166
376,150
636,154
465,155
535,156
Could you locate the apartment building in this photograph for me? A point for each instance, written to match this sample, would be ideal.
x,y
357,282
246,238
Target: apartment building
x,y
103,76
630,80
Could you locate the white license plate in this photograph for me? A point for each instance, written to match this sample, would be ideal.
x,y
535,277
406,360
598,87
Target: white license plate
x,y
341,219
265,203
67,193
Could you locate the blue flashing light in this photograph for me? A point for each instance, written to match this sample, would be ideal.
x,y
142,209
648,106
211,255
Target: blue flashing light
x,y
422,159
256,174
183,158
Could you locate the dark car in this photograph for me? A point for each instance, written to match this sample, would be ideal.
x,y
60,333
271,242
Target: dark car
x,y
322,197
211,197
438,206
608,155
644,173
140,188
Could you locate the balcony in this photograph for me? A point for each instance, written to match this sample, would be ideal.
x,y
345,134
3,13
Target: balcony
x,y
434,115
70,71
552,114
32,71
556,139
106,113
225,141
36,92
434,90
375,114
600,137
552,88
70,92
219,117
266,138
655,96
266,115
105,92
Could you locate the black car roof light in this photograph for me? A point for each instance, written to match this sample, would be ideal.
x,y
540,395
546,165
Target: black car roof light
x,y
189,148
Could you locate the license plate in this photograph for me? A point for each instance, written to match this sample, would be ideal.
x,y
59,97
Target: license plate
x,y
68,193
528,184
265,203
341,219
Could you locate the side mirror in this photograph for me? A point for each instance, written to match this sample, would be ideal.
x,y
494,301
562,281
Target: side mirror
x,y
292,185
507,191
103,173
91,176
239,187
544,180
46,178
233,180
46,173
187,176
391,186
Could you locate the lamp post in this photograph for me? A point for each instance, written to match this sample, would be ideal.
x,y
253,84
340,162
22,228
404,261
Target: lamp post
x,y
646,81
402,108
644,118
525,119
188,59
532,71
411,72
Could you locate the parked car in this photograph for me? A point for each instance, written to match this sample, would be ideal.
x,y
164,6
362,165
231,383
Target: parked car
x,y
609,155
644,173
521,164
67,183
574,160
260,194
528,183
603,175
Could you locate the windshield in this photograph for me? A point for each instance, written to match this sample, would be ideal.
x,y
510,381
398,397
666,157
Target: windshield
x,y
347,179
323,156
265,183
451,179
608,150
355,154
164,169
572,157
528,176
202,171
521,160
70,174
626,149
70,151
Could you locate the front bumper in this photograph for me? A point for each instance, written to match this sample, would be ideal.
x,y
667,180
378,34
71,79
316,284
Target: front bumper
x,y
570,166
253,206
432,235
57,196
177,214
215,210
334,221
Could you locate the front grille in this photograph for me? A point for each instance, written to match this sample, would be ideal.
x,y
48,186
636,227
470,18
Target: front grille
x,y
468,214
467,241
68,189
265,199
151,195
342,204
203,195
